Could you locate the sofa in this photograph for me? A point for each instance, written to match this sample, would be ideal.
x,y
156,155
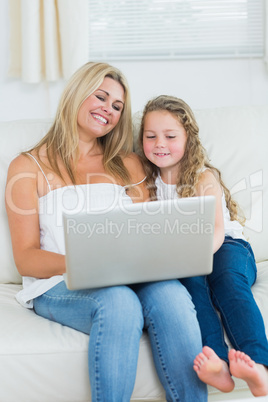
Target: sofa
x,y
43,361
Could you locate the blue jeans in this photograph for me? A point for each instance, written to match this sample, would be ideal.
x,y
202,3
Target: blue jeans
x,y
228,290
115,318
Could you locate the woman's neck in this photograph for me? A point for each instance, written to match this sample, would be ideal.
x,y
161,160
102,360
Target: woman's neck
x,y
89,149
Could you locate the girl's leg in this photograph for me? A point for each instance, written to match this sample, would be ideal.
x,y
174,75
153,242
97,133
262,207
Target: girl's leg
x,y
174,333
233,275
213,370
113,318
234,272
208,318
255,375
212,364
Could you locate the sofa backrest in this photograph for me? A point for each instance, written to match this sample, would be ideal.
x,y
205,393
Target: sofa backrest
x,y
237,143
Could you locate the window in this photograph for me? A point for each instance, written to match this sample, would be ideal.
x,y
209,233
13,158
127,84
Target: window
x,y
175,29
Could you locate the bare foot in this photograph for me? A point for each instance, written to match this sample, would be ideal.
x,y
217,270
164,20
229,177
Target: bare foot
x,y
213,371
255,375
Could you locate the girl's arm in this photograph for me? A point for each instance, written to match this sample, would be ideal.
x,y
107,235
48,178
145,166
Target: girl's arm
x,y
140,192
22,211
208,185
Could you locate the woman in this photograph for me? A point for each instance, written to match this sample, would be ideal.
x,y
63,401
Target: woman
x,y
85,163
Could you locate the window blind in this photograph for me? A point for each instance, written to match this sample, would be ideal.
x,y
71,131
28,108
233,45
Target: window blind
x,y
175,29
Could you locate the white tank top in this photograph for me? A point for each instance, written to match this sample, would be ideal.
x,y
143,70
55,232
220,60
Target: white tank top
x,y
231,228
99,197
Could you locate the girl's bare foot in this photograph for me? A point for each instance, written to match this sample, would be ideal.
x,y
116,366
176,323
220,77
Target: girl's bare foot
x,y
255,375
213,371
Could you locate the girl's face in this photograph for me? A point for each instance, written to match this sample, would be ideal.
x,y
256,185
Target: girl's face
x,y
164,140
101,111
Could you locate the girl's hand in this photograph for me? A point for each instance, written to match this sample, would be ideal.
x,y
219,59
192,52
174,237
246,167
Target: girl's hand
x,y
137,193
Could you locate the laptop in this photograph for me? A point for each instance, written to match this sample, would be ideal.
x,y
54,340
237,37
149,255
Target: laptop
x,y
140,242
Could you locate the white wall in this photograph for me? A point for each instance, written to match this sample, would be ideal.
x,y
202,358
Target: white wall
x,y
203,84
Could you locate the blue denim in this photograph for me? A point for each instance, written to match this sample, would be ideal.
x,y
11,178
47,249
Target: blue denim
x,y
115,318
228,290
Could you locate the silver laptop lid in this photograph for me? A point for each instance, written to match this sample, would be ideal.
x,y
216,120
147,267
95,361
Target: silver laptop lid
x,y
140,242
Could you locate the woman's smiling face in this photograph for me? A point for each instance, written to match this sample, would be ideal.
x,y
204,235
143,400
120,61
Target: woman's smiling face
x,y
101,111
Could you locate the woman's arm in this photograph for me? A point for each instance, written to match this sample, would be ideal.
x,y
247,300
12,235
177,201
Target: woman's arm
x,y
208,185
22,211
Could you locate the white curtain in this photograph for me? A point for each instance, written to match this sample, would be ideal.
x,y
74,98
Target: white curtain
x,y
48,38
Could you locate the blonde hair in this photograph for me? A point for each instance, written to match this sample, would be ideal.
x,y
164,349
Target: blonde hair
x,y
62,138
195,156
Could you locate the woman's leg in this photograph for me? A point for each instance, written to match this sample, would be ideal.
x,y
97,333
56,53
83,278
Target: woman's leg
x,y
113,318
174,333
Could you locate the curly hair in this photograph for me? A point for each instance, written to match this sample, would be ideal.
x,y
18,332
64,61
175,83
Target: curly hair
x,y
195,158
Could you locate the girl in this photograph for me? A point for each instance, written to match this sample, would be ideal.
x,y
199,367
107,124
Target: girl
x,y
85,163
176,165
